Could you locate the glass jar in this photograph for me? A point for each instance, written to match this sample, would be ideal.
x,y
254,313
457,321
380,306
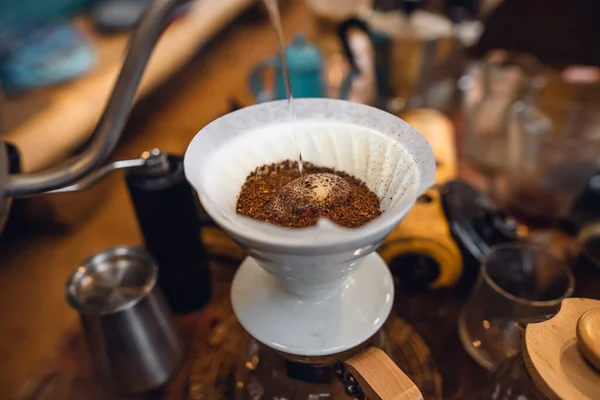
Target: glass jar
x,y
554,149
491,87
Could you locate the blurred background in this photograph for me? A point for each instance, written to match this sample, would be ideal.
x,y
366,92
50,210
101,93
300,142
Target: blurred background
x,y
519,81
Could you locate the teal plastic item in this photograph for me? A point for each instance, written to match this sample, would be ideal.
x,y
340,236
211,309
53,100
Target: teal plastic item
x,y
41,53
35,9
305,63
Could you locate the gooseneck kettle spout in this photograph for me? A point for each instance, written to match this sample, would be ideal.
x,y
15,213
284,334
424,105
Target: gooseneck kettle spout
x,y
111,124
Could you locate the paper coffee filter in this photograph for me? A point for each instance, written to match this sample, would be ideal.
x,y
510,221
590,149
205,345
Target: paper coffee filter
x,y
378,148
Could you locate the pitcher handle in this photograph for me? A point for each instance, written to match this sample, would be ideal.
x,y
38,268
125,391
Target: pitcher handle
x,y
372,374
346,85
344,36
256,82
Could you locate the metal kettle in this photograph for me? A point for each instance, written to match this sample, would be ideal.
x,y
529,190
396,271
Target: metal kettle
x,y
418,56
110,126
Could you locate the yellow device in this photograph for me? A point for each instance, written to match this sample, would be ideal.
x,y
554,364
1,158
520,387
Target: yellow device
x,y
421,250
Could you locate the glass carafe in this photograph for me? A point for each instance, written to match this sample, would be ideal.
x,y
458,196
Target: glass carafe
x,y
267,374
264,374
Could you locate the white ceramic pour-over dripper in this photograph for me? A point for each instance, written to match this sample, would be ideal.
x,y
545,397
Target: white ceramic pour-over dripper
x,y
310,297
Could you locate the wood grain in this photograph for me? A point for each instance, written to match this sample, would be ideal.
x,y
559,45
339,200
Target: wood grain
x,y
554,361
380,378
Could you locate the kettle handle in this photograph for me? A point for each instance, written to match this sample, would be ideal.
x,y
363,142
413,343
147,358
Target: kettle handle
x,y
256,82
344,36
374,374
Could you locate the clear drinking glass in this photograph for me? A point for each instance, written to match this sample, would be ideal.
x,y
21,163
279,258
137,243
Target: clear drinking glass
x,y
492,86
554,151
518,282
511,381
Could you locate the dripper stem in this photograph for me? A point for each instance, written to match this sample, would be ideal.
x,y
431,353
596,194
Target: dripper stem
x,y
316,292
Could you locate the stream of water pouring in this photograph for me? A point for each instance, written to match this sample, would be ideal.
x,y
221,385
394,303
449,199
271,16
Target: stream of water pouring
x,y
273,11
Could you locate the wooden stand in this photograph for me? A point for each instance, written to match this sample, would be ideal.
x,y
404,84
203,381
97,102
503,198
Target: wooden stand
x,y
560,352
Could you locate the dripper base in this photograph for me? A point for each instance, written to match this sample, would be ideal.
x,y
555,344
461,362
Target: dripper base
x,y
313,327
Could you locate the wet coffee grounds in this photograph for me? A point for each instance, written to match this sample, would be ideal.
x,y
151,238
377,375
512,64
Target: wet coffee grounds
x,y
262,197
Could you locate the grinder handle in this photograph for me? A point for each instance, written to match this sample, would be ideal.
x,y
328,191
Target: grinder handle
x,y
379,378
